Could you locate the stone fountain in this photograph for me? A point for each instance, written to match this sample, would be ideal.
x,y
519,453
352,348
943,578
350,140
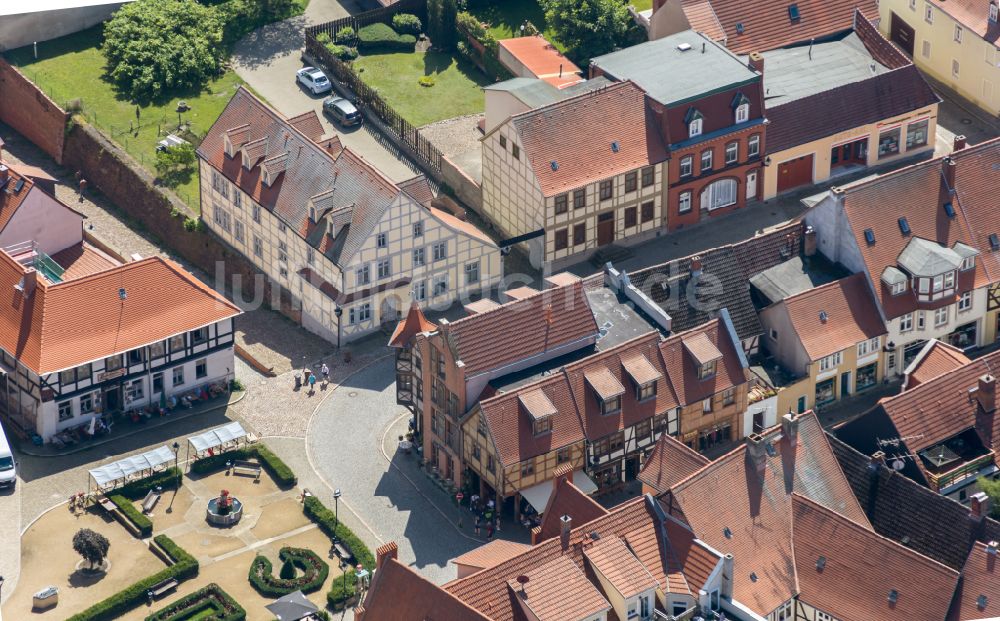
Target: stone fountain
x,y
225,510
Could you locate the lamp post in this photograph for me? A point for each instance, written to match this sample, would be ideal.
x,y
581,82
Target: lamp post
x,y
336,518
177,447
338,312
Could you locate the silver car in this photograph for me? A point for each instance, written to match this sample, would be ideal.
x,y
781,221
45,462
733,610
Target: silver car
x,y
342,111
313,79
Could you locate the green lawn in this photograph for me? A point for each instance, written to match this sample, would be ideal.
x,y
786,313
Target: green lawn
x,y
642,5
456,91
72,68
505,18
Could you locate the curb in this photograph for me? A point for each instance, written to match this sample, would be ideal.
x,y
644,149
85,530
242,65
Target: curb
x,y
165,421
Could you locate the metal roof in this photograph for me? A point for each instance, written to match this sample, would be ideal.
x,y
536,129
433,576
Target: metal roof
x,y
921,257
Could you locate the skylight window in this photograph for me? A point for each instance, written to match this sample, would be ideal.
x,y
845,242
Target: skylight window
x,y
949,209
904,226
994,241
870,236
793,12
554,164
614,147
739,28
893,596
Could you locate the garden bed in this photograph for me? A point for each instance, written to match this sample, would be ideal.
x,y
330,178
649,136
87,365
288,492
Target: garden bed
x,y
210,603
278,470
314,573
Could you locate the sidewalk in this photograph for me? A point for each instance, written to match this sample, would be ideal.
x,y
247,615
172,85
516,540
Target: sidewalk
x,y
123,429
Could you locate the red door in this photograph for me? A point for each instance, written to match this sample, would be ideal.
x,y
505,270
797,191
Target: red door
x,y
793,173
605,228
901,33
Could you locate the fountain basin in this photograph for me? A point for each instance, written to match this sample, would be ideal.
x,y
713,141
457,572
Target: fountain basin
x,y
213,516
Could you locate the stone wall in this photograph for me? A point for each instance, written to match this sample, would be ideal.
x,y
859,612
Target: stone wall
x,y
464,186
27,109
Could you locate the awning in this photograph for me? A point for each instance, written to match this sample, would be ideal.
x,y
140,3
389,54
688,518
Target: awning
x,y
538,495
118,472
292,607
214,438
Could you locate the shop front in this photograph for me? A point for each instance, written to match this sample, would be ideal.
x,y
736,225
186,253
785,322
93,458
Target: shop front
x,y
826,391
867,376
964,337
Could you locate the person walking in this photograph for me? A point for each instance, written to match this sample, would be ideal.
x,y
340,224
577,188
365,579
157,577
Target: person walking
x,y
489,530
325,370
477,524
312,383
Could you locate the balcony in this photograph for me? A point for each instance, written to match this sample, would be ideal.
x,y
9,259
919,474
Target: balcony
x,y
965,471
959,458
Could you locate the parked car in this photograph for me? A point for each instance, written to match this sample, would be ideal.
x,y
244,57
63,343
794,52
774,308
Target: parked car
x,y
342,111
314,79
170,142
8,467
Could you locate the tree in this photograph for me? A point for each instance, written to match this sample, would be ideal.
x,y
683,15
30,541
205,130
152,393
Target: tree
x,y
441,16
176,164
588,28
992,489
287,570
91,545
154,47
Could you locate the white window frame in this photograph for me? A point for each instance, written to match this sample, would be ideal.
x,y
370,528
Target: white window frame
x,y
381,240
753,145
719,194
68,406
929,13
440,286
958,34
831,362
440,251
732,152
420,290
472,273
743,113
695,128
708,155
418,228
363,275
177,376
899,288
684,201
965,301
384,268
941,316
419,257
869,347
968,263
906,322
687,166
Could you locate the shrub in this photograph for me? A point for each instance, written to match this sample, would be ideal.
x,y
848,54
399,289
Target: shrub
x,y
406,23
341,592
176,164
342,51
185,566
190,225
155,47
91,545
236,384
281,473
142,523
347,36
381,37
315,572
222,606
168,479
327,522
426,80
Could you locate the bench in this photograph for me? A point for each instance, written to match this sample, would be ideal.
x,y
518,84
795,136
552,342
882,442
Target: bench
x,y
150,501
107,505
163,587
250,467
343,552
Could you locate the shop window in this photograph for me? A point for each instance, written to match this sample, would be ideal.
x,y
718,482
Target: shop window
x,y
866,376
825,391
888,142
916,134
65,410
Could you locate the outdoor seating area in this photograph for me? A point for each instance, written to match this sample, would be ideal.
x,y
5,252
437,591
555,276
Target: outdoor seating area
x,y
184,401
116,474
218,440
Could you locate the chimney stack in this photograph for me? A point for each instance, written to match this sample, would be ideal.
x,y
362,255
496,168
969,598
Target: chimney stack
x,y
980,505
986,393
878,458
4,175
756,62
809,242
948,169
565,527
696,266
727,576
757,452
384,553
959,144
991,548
790,429
30,283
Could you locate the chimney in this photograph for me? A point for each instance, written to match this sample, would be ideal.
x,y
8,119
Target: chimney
x,y
384,553
727,576
980,505
790,429
4,175
696,266
948,169
986,393
809,242
565,526
991,548
959,143
757,452
756,62
30,282
878,458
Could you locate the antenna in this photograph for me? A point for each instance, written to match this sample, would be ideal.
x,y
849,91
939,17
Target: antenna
x,y
523,580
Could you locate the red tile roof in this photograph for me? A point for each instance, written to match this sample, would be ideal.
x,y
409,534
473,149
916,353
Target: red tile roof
x,y
64,325
918,193
734,510
563,157
701,16
461,226
670,463
848,571
612,558
558,590
414,323
395,583
9,201
684,373
566,499
849,316
82,260
695,560
521,329
980,579
767,24
936,358
972,14
542,59
491,554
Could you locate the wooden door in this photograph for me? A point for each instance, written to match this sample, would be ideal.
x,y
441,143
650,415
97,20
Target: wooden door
x,y
605,228
901,33
751,185
793,173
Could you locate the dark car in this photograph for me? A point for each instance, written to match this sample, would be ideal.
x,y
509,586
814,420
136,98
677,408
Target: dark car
x,y
342,111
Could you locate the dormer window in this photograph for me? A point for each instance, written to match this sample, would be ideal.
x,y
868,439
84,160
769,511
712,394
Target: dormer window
x,y
704,354
646,391
266,178
227,146
607,389
611,406
899,288
694,128
246,160
543,425
968,263
707,370
743,113
539,409
643,375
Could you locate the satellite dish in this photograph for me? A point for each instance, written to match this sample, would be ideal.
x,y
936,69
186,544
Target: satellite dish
x,y
898,464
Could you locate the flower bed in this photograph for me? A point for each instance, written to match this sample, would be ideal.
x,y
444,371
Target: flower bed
x,y
267,584
280,471
210,598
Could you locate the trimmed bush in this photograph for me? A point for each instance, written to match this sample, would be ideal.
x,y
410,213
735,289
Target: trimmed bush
x,y
343,52
327,522
137,490
341,593
185,566
381,37
211,597
426,80
281,473
405,23
287,571
142,523
347,36
315,572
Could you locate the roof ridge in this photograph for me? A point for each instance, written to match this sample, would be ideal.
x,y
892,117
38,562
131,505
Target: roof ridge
x,y
839,284
511,303
603,90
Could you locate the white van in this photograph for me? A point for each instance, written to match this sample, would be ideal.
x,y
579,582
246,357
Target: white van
x,y
8,471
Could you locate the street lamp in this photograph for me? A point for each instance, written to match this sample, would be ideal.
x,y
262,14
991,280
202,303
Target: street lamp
x,y
177,447
336,518
338,312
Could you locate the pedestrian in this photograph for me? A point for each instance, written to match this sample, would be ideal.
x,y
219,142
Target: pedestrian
x,y
498,522
473,502
312,383
325,370
477,524
489,505
83,186
489,531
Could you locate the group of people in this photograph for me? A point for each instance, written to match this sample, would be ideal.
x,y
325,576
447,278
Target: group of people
x,y
485,516
310,377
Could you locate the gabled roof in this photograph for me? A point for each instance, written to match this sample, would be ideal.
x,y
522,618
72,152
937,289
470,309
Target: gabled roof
x,y
491,554
978,594
683,371
413,324
558,590
521,329
64,325
702,18
918,193
566,499
731,266
849,571
612,558
670,463
834,317
10,201
732,508
621,136
767,24
395,583
972,14
936,358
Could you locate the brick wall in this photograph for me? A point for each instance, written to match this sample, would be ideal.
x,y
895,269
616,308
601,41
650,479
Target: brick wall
x,y
27,109
129,186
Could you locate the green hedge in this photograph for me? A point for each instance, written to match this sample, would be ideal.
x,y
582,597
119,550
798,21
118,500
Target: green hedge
x,y
342,51
280,471
327,523
267,584
211,597
341,591
185,566
143,523
406,23
137,490
381,37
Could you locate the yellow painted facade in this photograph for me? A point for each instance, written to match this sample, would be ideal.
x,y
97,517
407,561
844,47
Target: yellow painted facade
x,y
850,363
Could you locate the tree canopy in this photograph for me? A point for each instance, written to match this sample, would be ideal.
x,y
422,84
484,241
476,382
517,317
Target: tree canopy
x,y
154,47
588,28
91,545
